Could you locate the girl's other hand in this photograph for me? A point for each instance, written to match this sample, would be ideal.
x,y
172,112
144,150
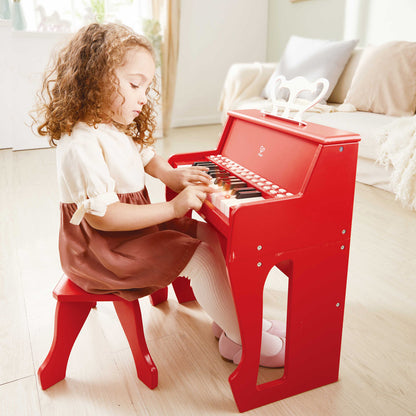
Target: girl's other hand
x,y
192,197
180,178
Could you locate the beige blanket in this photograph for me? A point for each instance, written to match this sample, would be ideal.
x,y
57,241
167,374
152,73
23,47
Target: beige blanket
x,y
398,149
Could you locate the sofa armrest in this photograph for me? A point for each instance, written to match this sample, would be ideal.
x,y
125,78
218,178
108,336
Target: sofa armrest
x,y
244,80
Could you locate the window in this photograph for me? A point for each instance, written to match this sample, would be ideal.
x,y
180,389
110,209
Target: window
x,y
70,15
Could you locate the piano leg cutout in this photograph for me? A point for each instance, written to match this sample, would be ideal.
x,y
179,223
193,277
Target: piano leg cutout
x,y
274,307
316,295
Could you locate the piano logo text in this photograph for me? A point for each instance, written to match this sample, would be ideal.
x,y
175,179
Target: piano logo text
x,y
261,151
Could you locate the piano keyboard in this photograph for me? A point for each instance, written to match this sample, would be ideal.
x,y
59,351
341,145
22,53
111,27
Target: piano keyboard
x,y
235,185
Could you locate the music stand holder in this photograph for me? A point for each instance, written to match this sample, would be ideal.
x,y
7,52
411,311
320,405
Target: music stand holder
x,y
295,86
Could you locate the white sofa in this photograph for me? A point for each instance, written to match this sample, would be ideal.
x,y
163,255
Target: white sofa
x,y
243,89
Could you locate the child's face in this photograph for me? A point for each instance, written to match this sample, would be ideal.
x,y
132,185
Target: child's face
x,y
135,77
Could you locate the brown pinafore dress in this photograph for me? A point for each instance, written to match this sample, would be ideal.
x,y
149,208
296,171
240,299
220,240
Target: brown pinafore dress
x,y
130,264
100,163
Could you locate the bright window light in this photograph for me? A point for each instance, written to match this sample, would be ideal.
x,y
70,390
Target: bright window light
x,y
70,15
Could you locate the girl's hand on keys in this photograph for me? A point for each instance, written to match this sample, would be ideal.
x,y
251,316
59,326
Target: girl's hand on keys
x,y
192,197
180,178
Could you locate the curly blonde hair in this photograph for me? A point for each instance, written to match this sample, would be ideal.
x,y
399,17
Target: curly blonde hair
x,y
81,81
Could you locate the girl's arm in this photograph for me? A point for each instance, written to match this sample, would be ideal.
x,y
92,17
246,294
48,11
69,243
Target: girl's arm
x,y
127,217
177,179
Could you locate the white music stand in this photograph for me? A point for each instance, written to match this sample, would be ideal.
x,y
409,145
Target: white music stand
x,y
295,87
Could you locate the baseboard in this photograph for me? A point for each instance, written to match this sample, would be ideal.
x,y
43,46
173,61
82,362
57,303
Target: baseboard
x,y
196,121
31,142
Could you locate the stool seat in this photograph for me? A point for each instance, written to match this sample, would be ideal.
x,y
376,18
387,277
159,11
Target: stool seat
x,y
67,291
72,309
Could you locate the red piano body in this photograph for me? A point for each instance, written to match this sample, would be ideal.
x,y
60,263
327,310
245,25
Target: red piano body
x,y
305,232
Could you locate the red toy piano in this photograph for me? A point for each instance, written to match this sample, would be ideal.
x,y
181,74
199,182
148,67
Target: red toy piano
x,y
287,201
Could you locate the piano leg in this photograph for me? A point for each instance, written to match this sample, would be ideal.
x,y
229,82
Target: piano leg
x,y
316,298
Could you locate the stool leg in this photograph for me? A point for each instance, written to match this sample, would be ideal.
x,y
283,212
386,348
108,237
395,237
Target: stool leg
x,y
159,296
131,320
69,319
183,289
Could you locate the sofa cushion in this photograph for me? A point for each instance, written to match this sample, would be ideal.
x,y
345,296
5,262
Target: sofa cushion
x,y
312,59
367,125
344,81
385,80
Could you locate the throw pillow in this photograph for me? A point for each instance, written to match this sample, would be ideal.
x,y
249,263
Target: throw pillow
x,y
344,81
312,59
385,80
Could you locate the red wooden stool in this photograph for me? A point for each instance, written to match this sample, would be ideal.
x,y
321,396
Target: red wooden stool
x,y
182,288
72,308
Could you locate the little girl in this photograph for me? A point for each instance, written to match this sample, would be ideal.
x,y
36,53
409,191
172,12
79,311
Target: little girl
x,y
97,108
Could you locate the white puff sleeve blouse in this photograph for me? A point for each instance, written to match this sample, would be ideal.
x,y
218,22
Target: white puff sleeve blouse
x,y
96,164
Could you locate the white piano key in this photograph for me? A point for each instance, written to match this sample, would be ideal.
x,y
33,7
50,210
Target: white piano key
x,y
216,197
226,204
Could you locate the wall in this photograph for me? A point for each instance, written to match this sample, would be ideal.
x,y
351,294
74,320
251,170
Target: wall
x,y
370,21
378,21
25,57
213,35
5,86
322,19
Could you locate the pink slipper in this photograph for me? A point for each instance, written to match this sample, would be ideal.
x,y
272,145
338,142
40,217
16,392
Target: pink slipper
x,y
231,351
277,329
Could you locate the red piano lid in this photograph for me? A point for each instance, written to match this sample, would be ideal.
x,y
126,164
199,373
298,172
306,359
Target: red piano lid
x,y
312,131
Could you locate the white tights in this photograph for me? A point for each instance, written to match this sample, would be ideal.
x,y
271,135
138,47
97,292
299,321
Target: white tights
x,y
209,280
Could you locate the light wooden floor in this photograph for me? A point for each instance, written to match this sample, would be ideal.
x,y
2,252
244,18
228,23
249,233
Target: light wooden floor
x,y
378,362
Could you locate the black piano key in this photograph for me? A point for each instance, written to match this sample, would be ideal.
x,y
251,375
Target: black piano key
x,y
225,181
238,184
241,190
207,164
238,188
249,194
217,174
221,179
214,173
